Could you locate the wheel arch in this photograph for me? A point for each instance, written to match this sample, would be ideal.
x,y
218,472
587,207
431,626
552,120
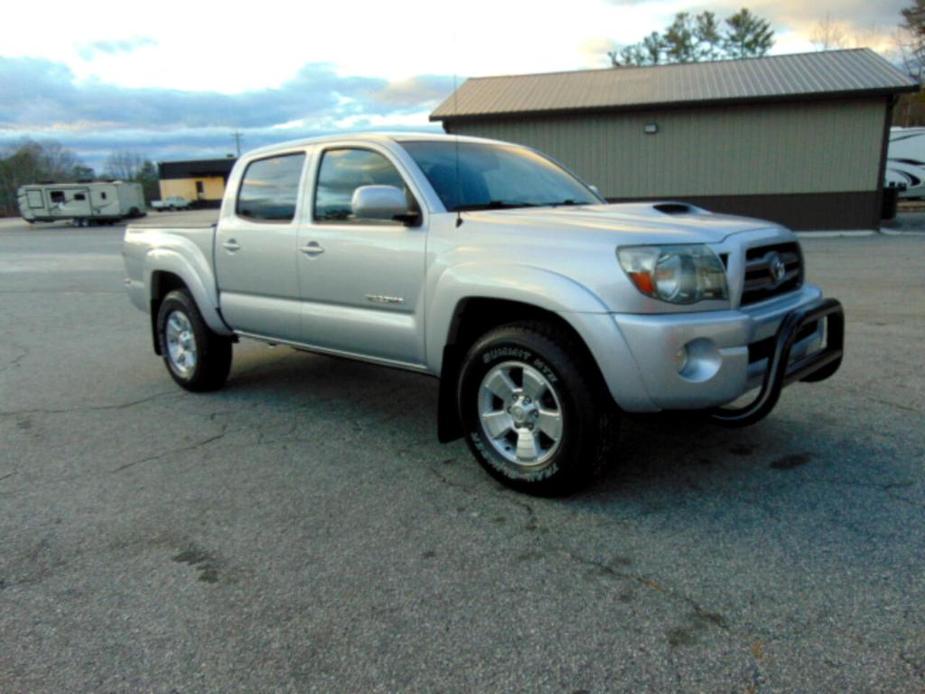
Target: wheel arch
x,y
473,317
166,270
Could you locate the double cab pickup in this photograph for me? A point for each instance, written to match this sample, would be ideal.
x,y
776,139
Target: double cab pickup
x,y
546,313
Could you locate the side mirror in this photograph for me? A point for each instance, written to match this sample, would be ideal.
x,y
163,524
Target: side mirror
x,y
381,202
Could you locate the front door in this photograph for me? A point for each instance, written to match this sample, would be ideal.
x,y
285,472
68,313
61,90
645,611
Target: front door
x,y
362,279
257,247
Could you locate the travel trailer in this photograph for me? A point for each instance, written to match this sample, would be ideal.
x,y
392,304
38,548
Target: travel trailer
x,y
905,164
97,202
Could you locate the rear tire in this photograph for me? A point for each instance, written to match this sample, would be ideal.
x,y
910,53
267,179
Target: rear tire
x,y
534,409
196,358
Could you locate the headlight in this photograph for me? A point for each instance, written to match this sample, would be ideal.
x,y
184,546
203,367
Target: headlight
x,y
676,274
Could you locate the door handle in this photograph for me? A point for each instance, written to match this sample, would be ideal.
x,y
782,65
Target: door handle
x,y
231,245
312,248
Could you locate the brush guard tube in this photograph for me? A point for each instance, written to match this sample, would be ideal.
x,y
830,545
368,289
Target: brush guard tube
x,y
814,367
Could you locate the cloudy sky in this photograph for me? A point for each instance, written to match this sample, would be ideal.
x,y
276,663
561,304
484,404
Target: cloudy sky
x,y
173,80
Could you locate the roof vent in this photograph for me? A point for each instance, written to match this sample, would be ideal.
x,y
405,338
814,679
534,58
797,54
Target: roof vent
x,y
674,208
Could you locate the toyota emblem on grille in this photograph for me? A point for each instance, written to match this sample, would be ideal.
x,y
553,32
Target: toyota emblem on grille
x,y
777,267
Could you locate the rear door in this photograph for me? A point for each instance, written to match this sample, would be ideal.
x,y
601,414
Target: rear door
x,y
362,279
256,250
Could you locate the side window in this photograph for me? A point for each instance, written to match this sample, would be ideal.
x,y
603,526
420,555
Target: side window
x,y
80,196
270,188
342,171
102,194
57,196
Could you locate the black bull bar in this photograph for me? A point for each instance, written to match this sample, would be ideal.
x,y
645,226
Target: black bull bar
x,y
816,366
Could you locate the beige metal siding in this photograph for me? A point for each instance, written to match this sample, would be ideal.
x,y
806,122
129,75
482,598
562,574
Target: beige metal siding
x,y
807,147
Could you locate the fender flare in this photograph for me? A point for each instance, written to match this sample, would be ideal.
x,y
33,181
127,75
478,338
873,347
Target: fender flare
x,y
183,259
560,295
525,284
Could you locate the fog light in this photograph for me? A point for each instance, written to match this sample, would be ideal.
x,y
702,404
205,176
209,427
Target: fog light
x,y
680,359
702,360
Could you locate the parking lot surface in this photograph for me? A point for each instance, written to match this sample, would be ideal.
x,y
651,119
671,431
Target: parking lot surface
x,y
303,530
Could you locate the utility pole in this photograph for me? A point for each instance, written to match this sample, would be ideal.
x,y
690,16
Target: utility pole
x,y
237,141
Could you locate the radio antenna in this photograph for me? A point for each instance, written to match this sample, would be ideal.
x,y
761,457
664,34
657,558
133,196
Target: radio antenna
x,y
459,219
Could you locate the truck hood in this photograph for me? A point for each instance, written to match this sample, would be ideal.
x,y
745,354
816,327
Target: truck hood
x,y
659,222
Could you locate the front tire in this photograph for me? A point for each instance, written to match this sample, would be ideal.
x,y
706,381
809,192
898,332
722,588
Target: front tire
x,y
534,410
196,358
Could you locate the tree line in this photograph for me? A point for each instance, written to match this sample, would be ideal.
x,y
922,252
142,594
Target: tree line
x,y
695,38
692,38
31,162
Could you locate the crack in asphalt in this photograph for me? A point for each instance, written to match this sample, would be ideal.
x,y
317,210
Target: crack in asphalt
x,y
887,488
917,669
867,396
87,408
181,449
532,525
17,360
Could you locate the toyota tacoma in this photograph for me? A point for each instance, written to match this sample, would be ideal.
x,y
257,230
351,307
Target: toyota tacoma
x,y
545,312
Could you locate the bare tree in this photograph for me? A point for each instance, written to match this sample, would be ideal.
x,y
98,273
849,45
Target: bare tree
x,y
828,34
123,164
31,162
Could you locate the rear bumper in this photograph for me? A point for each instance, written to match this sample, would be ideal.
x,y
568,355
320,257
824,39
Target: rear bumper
x,y
704,360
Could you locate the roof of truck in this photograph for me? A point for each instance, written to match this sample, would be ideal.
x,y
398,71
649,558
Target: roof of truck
x,y
383,136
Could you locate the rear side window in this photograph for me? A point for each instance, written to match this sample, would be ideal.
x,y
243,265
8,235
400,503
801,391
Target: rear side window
x,y
270,188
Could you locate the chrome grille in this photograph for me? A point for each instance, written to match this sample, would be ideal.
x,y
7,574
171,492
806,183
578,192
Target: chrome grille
x,y
771,271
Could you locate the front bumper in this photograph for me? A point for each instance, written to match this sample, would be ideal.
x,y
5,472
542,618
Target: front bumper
x,y
704,360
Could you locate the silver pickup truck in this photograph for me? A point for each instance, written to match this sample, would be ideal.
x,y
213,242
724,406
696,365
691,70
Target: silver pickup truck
x,y
545,312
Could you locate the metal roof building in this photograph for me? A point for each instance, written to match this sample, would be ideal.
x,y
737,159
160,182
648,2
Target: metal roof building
x,y
800,139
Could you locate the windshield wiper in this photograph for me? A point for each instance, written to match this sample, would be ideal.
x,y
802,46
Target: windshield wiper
x,y
560,203
493,205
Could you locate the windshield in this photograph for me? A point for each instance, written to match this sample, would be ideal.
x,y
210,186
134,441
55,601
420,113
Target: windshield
x,y
495,176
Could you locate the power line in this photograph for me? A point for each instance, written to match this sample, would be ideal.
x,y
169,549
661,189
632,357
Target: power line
x,y
237,141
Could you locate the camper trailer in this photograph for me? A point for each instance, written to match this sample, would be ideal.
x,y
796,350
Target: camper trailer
x,y
97,202
905,164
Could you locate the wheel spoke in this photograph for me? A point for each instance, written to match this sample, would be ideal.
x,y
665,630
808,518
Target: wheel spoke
x,y
550,423
174,324
501,385
497,424
534,386
527,448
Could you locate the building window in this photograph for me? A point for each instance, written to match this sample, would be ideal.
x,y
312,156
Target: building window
x,y
270,188
200,189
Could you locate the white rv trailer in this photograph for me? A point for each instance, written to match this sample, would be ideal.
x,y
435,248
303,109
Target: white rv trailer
x,y
97,202
905,164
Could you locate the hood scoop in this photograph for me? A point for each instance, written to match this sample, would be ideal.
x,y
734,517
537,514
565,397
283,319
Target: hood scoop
x,y
675,208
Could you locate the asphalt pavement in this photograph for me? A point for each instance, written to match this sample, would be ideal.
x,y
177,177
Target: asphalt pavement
x,y
302,529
